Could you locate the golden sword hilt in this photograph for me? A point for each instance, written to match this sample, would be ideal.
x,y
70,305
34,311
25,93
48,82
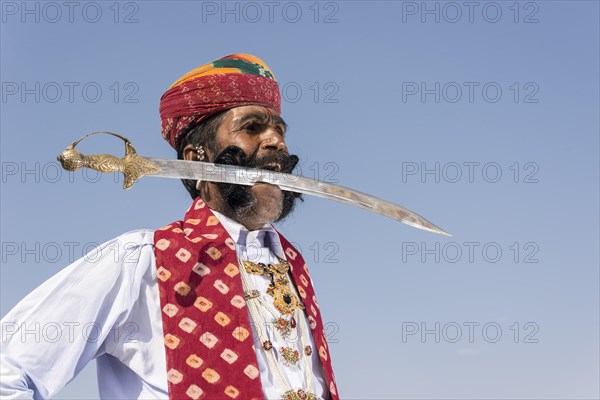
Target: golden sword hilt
x,y
132,166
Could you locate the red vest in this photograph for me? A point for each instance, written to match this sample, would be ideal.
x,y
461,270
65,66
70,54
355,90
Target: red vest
x,y
208,337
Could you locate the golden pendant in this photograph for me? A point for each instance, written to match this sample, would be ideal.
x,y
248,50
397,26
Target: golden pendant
x,y
284,300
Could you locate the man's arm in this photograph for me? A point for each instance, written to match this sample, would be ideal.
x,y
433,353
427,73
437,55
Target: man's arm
x,y
49,337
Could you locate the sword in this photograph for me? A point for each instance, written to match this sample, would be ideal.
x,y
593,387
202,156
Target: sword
x,y
133,167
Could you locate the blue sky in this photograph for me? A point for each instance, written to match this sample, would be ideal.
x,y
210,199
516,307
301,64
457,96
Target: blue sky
x,y
481,117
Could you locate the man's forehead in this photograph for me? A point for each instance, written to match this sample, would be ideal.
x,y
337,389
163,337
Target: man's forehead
x,y
238,114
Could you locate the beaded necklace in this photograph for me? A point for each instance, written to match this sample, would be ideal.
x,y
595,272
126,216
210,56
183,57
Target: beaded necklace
x,y
285,300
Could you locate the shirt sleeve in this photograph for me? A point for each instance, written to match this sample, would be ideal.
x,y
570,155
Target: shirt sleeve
x,y
49,337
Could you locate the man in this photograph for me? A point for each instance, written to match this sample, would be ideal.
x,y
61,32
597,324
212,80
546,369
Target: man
x,y
216,306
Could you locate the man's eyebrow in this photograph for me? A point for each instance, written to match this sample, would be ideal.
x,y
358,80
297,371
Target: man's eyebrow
x,y
280,121
262,118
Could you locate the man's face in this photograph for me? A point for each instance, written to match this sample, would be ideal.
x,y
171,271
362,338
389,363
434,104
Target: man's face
x,y
258,133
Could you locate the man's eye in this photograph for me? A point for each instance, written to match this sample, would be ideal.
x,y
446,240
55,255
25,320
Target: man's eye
x,y
251,126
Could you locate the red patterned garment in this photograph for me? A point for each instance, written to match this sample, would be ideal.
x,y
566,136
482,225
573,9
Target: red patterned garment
x,y
208,337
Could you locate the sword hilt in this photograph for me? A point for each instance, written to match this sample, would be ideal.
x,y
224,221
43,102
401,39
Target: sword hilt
x,y
132,166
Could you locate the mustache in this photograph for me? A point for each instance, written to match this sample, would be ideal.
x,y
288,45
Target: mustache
x,y
234,155
239,197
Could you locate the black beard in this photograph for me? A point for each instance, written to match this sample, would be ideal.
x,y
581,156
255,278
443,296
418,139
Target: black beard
x,y
239,199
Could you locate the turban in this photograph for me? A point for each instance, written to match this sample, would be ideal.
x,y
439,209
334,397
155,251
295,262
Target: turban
x,y
232,81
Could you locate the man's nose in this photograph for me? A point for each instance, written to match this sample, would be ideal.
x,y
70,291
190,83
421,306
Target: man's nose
x,y
272,140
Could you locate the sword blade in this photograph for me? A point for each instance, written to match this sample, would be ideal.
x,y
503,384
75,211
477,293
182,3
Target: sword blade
x,y
204,171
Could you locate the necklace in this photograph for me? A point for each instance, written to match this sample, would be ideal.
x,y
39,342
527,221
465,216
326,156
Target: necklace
x,y
284,300
279,289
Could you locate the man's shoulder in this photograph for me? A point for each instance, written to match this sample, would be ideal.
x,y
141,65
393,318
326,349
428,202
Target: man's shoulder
x,y
133,245
121,253
139,237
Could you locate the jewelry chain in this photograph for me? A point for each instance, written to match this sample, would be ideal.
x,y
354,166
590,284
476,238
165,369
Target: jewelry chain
x,y
258,317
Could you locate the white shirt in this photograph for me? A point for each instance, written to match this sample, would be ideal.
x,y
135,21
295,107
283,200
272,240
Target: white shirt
x,y
106,306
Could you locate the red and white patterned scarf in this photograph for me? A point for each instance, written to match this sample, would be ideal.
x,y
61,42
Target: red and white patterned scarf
x,y
208,337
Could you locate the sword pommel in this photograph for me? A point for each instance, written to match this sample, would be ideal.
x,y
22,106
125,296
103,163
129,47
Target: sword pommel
x,y
132,166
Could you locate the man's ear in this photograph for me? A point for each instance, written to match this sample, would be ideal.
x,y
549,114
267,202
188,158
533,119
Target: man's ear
x,y
190,153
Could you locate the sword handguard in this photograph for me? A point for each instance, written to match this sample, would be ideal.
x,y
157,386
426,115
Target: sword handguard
x,y
132,166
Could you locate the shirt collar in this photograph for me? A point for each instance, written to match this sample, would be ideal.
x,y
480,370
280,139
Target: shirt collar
x,y
267,236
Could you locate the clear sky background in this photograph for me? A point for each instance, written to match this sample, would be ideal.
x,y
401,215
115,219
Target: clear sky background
x,y
482,117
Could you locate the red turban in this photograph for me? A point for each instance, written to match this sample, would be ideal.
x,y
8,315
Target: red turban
x,y
232,81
